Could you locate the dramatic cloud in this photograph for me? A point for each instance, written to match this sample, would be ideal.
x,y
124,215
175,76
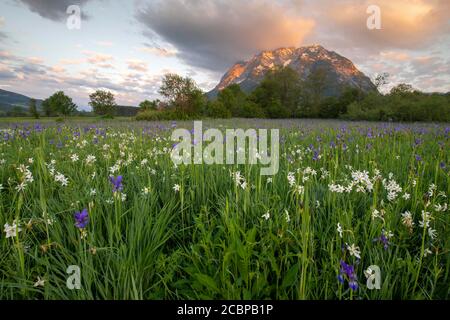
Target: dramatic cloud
x,y
405,24
133,43
52,9
215,34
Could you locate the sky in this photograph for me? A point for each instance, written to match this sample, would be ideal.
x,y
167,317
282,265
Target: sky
x,y
127,46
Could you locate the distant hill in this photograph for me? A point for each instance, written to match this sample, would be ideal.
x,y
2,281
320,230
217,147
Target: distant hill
x,y
341,72
9,100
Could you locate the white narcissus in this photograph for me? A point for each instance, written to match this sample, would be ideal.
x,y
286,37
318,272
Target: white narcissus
x,y
12,230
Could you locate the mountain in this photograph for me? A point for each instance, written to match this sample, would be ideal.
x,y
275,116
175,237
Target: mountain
x,y
9,100
340,71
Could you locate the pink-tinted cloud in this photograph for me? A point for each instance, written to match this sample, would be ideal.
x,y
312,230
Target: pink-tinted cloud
x,y
161,52
214,34
405,24
137,65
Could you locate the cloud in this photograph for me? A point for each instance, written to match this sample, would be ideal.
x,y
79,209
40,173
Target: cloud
x,y
53,9
35,60
405,24
424,72
161,52
137,65
99,59
425,65
71,61
58,69
216,34
31,70
395,55
30,76
6,73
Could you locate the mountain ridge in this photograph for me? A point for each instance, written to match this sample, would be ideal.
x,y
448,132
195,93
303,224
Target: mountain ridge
x,y
340,70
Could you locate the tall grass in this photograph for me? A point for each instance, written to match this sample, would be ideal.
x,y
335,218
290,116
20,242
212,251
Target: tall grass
x,y
212,238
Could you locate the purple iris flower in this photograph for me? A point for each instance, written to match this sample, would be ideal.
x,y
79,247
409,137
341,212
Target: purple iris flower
x,y
315,155
417,142
442,165
116,183
347,271
418,158
81,219
383,239
353,285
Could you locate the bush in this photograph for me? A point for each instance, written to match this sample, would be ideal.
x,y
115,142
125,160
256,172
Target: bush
x,y
252,110
216,109
151,115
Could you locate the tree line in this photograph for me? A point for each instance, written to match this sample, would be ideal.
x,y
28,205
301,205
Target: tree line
x,y
60,105
282,94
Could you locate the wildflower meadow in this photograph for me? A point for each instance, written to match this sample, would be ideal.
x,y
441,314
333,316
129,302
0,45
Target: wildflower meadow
x,y
356,211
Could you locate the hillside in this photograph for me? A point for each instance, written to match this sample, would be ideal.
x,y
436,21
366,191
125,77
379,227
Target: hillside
x,y
9,100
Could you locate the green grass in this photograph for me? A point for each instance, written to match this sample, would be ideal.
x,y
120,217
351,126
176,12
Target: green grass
x,y
210,240
69,120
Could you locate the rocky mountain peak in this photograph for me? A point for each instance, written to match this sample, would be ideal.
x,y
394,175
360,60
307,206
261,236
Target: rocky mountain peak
x,y
340,71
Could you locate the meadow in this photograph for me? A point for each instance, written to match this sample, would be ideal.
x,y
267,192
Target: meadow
x,y
105,196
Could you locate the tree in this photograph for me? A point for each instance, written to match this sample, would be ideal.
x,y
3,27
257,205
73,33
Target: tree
x,y
216,109
17,111
315,85
182,94
233,99
59,104
33,109
147,105
381,80
279,93
103,103
401,89
47,108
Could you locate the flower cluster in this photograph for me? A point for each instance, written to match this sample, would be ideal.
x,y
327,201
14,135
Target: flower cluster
x,y
347,273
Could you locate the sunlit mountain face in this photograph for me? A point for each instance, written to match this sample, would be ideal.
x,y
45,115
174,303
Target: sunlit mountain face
x,y
126,47
340,72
